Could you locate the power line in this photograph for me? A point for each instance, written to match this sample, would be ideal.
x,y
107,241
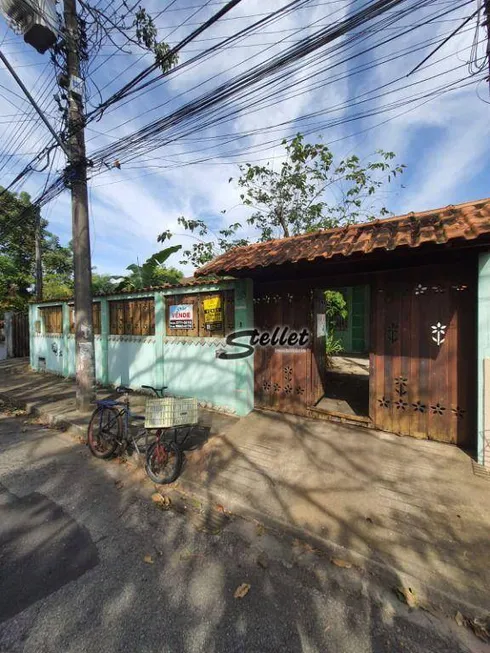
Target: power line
x,y
212,99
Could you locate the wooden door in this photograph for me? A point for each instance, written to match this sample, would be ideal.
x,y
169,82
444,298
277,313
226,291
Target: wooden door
x,y
20,327
282,373
423,365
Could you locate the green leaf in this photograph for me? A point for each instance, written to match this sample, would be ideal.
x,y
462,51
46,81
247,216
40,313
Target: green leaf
x,y
163,255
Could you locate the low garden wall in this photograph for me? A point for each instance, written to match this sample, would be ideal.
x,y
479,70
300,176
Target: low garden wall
x,y
183,359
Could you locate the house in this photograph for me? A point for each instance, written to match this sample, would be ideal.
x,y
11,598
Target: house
x,y
418,288
415,336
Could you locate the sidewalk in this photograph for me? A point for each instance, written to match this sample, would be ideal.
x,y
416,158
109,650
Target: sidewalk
x,y
415,512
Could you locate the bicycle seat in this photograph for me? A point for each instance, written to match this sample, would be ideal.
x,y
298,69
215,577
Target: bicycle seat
x,y
122,389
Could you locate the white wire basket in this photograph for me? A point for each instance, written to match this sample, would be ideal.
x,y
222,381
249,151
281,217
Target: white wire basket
x,y
170,411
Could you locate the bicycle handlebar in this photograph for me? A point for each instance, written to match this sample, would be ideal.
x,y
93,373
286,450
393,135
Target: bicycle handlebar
x,y
157,391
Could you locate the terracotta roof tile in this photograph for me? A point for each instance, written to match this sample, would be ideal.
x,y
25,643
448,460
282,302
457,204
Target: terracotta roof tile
x,y
466,221
186,282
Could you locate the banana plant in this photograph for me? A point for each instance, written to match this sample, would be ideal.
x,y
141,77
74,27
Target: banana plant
x,y
143,276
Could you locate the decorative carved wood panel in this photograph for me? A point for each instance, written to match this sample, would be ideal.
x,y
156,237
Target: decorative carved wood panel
x,y
423,354
281,375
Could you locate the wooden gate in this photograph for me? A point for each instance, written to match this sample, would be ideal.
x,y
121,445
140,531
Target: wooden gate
x,y
20,335
423,371
282,375
423,351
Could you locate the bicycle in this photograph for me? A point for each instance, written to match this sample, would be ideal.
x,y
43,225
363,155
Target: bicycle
x,y
109,431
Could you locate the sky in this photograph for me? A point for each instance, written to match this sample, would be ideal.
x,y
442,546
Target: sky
x,y
355,94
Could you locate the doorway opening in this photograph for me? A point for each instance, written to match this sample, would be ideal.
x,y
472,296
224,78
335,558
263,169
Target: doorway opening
x,y
347,346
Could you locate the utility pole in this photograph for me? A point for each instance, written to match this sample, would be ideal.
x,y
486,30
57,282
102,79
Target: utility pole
x,y
77,176
38,257
487,23
40,29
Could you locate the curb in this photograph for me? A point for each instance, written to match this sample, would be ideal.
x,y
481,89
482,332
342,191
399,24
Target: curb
x,y
432,599
48,418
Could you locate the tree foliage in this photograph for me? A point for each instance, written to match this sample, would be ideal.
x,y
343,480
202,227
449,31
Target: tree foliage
x,y
57,262
102,284
147,35
18,219
17,229
308,191
335,308
151,273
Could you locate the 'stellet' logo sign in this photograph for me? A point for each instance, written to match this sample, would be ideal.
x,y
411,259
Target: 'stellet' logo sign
x,y
279,337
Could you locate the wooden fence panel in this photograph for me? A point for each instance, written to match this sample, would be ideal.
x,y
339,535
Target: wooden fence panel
x,y
20,326
133,317
424,354
199,323
52,317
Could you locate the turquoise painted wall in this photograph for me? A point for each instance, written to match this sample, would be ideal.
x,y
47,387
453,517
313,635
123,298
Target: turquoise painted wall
x,y
188,366
131,360
483,354
192,369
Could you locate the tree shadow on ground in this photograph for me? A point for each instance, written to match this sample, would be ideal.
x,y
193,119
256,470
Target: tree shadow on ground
x,y
182,597
407,505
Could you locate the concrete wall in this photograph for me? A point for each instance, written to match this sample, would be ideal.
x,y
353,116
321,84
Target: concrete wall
x,y
484,359
188,366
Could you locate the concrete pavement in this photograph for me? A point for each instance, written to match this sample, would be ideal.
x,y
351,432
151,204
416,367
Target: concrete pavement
x,y
151,581
415,513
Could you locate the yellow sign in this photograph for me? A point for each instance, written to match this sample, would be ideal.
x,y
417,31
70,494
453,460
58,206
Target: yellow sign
x,y
213,313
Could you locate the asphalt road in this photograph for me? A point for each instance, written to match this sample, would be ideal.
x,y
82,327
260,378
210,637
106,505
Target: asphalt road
x,y
74,534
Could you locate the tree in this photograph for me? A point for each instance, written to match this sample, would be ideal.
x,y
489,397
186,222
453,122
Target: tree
x,y
57,262
102,284
309,191
335,308
18,218
151,272
17,238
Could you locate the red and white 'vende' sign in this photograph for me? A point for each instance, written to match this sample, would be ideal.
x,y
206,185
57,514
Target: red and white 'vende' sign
x,y
181,316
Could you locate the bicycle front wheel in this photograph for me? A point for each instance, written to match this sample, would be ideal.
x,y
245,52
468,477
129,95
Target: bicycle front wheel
x,y
104,432
163,462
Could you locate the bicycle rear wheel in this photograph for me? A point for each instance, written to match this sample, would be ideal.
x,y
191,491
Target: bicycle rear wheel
x,y
104,432
163,462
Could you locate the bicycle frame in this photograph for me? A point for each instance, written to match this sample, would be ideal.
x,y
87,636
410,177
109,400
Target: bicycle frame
x,y
126,413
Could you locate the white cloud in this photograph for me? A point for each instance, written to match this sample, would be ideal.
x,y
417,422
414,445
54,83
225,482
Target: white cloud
x,y
442,142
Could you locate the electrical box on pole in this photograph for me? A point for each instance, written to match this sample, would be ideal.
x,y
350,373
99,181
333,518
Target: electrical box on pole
x,y
37,20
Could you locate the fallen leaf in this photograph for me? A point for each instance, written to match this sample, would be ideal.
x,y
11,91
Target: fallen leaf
x,y
480,627
220,508
338,562
459,619
407,595
242,590
119,484
161,501
148,559
259,529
